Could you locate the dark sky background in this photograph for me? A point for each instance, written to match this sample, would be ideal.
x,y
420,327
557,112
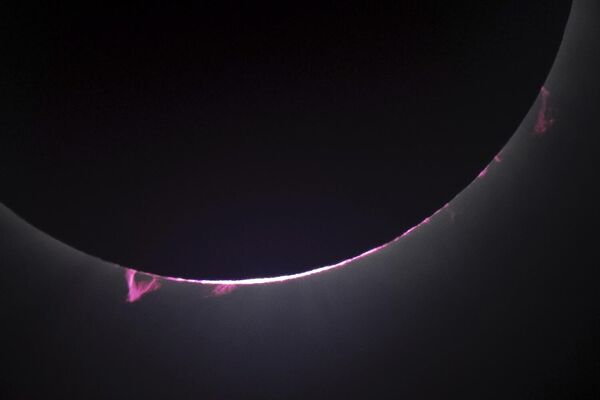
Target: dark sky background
x,y
255,141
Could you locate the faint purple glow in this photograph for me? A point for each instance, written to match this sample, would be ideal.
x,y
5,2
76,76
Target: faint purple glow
x,y
138,289
483,172
543,120
220,290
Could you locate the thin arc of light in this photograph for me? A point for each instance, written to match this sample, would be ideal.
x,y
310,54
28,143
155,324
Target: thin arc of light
x,y
283,278
225,286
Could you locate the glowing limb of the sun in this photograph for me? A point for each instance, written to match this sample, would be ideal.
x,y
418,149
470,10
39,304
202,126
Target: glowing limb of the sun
x,y
225,286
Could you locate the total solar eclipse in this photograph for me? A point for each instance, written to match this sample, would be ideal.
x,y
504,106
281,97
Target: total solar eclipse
x,y
300,202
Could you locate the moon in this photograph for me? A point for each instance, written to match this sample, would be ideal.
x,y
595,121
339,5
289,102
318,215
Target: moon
x,y
267,150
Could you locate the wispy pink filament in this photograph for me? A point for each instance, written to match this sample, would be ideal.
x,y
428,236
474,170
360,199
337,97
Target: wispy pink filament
x,y
543,120
138,289
223,289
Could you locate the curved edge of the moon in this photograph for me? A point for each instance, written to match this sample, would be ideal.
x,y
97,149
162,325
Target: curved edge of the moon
x,y
542,122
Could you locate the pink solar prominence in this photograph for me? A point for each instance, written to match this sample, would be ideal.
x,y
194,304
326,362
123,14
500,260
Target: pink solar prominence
x,y
220,290
543,120
138,289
